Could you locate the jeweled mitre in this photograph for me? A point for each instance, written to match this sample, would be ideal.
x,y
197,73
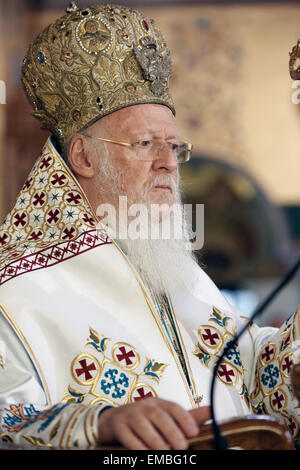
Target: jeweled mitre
x,y
92,62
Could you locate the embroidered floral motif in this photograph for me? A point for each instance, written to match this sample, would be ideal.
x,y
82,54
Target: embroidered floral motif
x,y
273,393
21,416
212,339
17,416
154,370
46,418
75,396
114,373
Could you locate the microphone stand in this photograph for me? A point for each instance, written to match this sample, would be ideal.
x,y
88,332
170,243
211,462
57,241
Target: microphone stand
x,y
220,442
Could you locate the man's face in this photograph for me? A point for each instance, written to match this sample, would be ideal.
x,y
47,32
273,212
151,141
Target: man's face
x,y
116,171
133,124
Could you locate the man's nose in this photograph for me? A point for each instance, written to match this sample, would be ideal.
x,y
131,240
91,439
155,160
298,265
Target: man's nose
x,y
165,158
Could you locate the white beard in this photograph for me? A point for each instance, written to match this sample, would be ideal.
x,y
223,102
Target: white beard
x,y
161,262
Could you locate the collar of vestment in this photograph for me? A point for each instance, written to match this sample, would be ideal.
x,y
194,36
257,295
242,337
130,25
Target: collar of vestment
x,y
50,209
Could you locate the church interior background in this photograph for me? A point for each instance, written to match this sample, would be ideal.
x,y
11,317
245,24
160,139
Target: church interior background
x,y
233,96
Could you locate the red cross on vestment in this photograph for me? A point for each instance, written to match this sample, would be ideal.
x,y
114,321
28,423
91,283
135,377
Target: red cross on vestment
x,y
277,400
227,373
142,394
20,219
125,355
27,184
292,426
88,220
53,216
75,198
210,336
39,199
287,364
267,354
68,233
58,179
45,163
35,235
3,239
85,369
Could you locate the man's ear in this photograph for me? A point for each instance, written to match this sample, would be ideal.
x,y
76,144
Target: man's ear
x,y
80,158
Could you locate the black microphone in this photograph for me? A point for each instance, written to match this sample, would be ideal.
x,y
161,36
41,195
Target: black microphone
x,y
220,442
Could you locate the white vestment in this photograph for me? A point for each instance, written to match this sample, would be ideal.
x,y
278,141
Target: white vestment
x,y
80,331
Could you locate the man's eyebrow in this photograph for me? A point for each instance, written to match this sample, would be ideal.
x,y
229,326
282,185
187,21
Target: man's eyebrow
x,y
153,133
173,136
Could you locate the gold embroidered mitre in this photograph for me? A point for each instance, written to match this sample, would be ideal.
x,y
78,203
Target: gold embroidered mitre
x,y
92,62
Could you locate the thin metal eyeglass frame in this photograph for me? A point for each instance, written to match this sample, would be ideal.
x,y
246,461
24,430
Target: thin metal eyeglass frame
x,y
127,144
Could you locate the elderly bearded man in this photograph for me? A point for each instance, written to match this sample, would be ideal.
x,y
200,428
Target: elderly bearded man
x,y
107,339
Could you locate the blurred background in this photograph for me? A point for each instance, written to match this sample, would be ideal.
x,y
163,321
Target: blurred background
x,y
233,97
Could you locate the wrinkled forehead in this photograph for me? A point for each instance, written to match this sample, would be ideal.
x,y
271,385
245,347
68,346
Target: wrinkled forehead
x,y
138,119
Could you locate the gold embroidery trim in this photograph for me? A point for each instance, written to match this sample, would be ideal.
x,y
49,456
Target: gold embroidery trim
x,y
197,398
62,438
92,426
72,427
85,426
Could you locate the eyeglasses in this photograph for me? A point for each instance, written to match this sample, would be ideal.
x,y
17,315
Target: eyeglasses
x,y
147,149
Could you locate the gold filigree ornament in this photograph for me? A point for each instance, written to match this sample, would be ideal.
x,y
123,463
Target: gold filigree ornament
x,y
115,373
92,62
294,62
